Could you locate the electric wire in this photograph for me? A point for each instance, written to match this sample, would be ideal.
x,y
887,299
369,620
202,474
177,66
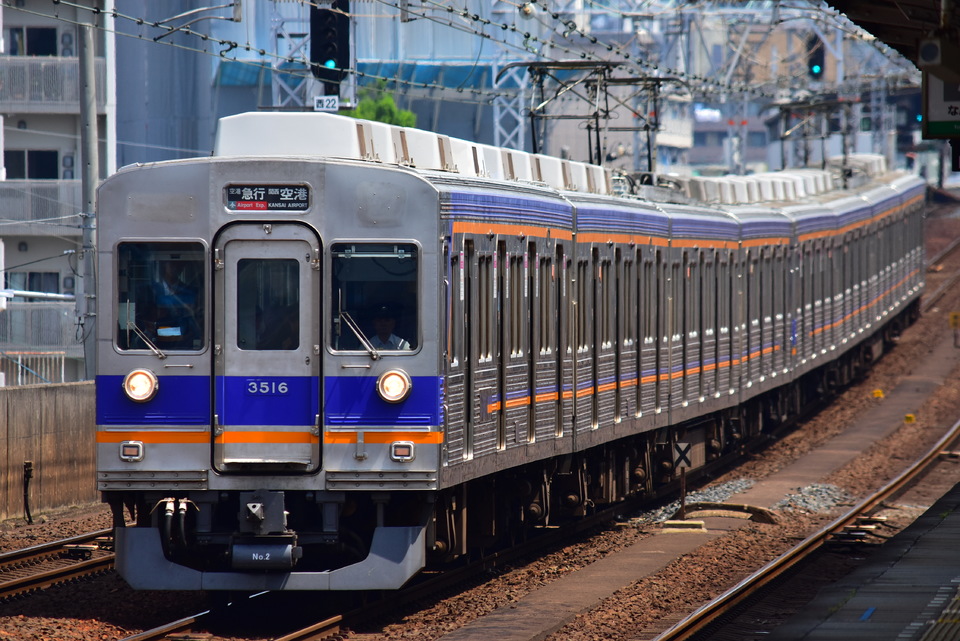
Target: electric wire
x,y
699,85
125,143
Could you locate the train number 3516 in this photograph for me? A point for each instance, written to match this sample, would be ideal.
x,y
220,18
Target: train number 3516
x,y
267,387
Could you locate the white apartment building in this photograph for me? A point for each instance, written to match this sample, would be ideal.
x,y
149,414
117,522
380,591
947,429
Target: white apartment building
x,y
40,193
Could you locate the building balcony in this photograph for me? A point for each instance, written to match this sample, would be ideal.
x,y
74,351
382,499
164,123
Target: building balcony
x,y
675,132
40,207
46,85
40,329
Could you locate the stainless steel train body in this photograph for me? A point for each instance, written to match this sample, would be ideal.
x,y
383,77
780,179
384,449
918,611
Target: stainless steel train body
x,y
560,341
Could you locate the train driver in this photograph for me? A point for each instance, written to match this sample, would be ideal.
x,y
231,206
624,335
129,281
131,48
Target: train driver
x,y
174,300
384,322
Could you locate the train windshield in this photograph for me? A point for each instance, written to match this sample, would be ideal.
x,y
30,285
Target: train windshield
x,y
374,291
160,294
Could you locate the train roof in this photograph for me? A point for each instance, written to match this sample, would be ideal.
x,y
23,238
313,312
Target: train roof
x,y
335,136
322,134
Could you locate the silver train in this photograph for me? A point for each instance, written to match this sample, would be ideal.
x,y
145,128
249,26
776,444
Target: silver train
x,y
337,351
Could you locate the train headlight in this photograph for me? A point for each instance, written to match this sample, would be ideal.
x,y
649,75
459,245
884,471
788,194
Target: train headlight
x,y
394,386
140,385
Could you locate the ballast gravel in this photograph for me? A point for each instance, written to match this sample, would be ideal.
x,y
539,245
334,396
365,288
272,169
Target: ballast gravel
x,y
815,499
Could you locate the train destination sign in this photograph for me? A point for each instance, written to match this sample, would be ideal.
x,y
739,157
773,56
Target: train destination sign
x,y
267,197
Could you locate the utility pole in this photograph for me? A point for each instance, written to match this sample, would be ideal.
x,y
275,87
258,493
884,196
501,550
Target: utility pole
x,y
90,174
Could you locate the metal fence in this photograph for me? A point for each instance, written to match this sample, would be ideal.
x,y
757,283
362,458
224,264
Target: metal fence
x,y
45,84
32,368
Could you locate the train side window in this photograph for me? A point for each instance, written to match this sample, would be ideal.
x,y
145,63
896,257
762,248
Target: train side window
x,y
486,299
547,315
160,296
454,293
374,288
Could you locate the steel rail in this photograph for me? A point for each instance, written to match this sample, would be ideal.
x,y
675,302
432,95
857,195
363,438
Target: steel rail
x,y
943,253
328,628
180,626
18,574
316,632
43,550
711,612
47,578
933,298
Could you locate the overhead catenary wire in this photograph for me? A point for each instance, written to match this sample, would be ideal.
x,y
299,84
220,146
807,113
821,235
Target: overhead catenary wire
x,y
126,143
66,253
701,85
698,84
232,45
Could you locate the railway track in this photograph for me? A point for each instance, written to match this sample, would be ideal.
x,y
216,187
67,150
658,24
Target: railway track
x,y
329,628
935,265
42,566
850,527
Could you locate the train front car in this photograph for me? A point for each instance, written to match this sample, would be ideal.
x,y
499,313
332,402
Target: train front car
x,y
268,400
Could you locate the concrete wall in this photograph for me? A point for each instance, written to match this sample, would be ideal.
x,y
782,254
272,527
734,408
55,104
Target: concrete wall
x,y
54,426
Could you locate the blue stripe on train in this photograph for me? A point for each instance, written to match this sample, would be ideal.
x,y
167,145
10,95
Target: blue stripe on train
x,y
267,400
180,400
186,400
353,400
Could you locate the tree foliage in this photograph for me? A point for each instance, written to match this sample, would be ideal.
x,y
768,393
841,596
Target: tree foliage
x,y
376,104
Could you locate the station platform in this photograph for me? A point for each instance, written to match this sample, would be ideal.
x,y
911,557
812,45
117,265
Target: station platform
x,y
907,591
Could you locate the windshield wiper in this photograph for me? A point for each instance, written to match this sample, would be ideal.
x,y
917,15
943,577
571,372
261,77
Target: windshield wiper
x,y
139,332
355,328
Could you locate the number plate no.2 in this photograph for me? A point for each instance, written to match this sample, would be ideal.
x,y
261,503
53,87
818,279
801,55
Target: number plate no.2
x,y
256,387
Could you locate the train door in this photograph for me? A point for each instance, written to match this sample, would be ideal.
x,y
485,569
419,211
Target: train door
x,y
709,264
724,324
585,408
779,308
662,308
767,344
604,340
467,279
534,336
647,372
693,327
738,322
565,377
266,348
506,340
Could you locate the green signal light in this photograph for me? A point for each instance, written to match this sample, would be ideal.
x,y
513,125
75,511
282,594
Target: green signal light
x,y
330,64
816,68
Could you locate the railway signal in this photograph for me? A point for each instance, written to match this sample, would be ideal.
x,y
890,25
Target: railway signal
x,y
330,43
816,58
